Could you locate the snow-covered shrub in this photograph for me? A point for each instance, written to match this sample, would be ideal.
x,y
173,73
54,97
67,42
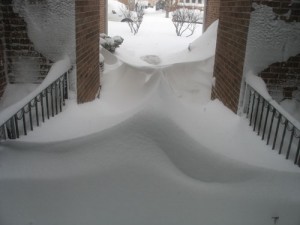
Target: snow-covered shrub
x,y
114,12
185,19
101,59
110,43
134,18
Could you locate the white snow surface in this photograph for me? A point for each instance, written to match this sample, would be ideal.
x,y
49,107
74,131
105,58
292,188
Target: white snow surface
x,y
152,150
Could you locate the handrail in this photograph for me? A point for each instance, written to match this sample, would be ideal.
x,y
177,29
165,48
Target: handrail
x,y
274,126
45,104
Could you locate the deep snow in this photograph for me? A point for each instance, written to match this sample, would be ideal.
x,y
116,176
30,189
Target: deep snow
x,y
152,150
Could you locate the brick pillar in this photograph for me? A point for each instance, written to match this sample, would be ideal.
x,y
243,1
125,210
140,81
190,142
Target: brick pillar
x,y
212,12
230,51
103,16
87,49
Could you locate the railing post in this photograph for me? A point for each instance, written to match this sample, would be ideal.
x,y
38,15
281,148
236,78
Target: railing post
x,y
297,153
66,85
3,133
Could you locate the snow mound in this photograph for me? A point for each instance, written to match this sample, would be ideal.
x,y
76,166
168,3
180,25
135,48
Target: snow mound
x,y
148,169
202,48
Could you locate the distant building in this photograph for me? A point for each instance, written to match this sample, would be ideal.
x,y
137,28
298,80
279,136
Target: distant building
x,y
192,3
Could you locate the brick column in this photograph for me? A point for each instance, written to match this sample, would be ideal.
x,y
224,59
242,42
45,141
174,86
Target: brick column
x,y
87,49
230,51
212,12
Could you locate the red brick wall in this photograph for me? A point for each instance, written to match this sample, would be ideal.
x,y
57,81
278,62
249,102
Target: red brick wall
x,y
230,51
282,78
282,7
103,16
87,49
18,46
212,12
2,59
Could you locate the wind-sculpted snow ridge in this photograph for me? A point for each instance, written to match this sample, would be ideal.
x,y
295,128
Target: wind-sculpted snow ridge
x,y
146,170
152,150
202,49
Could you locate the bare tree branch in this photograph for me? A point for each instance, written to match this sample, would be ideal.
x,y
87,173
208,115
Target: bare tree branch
x,y
185,19
134,19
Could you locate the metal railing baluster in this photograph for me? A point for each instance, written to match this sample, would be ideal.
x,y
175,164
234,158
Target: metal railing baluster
x,y
256,112
24,122
290,143
270,130
261,116
10,128
283,136
276,132
42,107
265,122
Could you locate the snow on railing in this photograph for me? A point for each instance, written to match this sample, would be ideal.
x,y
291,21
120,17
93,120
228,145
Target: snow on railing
x,y
271,121
45,102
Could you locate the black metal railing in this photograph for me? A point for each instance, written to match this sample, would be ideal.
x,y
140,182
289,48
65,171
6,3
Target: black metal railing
x,y
273,126
44,105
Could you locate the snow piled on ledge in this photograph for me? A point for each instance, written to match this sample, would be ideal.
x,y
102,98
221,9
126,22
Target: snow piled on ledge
x,y
270,40
50,26
57,69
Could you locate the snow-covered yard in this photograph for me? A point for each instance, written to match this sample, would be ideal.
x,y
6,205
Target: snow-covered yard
x,y
154,149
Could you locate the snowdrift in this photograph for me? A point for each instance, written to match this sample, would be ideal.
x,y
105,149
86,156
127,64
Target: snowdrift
x,y
188,73
144,170
153,150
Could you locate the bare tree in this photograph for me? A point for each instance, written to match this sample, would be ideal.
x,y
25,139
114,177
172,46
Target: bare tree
x,y
186,20
134,18
167,7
